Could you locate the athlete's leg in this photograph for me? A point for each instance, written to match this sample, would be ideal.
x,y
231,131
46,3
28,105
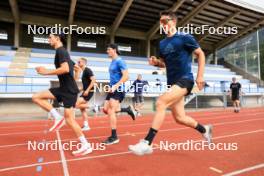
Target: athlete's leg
x,y
85,120
113,107
69,117
106,106
70,120
179,115
81,103
41,99
111,112
174,94
164,101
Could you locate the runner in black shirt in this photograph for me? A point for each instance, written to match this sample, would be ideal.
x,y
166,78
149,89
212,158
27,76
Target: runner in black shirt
x,y
235,90
66,93
88,81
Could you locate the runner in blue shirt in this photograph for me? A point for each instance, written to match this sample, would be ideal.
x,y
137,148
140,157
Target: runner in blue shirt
x,y
176,52
118,73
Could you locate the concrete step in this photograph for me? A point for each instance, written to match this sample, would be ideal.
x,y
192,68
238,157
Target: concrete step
x,y
18,66
16,72
21,59
15,80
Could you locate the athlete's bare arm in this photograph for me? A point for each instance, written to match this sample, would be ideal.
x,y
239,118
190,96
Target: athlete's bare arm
x,y
154,61
64,68
201,63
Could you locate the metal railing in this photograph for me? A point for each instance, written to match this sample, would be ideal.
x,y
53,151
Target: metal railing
x,y
31,84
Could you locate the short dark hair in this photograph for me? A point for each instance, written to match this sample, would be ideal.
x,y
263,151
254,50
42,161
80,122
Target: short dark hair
x,y
169,13
114,46
61,36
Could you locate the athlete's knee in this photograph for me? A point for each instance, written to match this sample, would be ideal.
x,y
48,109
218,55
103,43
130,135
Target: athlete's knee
x,y
35,98
110,111
160,104
105,110
83,110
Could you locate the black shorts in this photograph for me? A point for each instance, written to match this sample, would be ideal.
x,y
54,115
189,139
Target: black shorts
x,y
68,99
185,83
235,97
88,97
138,98
117,95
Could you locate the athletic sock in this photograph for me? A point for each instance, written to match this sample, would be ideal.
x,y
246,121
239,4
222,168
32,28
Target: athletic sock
x,y
85,123
151,134
200,128
83,140
55,114
114,134
124,109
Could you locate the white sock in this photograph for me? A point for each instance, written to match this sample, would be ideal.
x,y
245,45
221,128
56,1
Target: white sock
x,y
55,114
85,123
83,141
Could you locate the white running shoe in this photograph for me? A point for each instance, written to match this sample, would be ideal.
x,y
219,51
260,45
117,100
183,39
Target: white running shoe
x,y
86,128
208,133
84,150
58,123
141,148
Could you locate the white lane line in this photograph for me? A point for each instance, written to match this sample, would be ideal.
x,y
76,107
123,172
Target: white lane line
x,y
139,133
131,125
204,116
237,172
119,153
216,170
63,159
146,116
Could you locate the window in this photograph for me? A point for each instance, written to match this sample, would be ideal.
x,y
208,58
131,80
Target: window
x,y
86,44
40,39
3,35
125,48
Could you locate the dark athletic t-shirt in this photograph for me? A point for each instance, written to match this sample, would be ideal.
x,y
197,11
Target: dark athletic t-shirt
x,y
86,77
67,82
177,54
235,87
139,86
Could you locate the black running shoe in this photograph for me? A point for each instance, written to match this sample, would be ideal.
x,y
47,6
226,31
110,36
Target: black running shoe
x,y
111,140
131,112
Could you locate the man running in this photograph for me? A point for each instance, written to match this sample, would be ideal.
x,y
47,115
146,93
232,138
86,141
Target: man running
x,y
235,92
88,82
67,92
176,55
138,99
118,76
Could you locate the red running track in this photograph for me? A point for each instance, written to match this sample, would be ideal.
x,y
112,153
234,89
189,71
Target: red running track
x,y
244,131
